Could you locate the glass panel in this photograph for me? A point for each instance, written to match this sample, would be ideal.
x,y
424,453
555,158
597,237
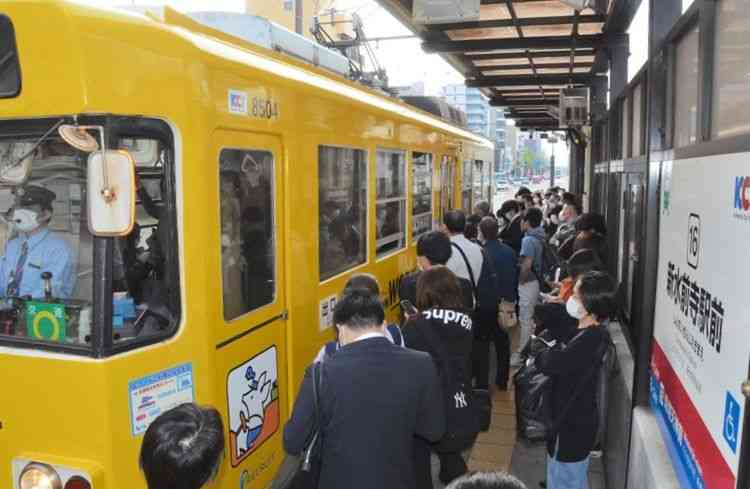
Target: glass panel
x,y
422,199
46,271
466,186
10,74
636,150
731,105
142,277
390,208
625,128
638,32
247,230
686,90
342,203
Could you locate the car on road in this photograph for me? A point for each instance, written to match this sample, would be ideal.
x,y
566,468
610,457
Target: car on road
x,y
502,185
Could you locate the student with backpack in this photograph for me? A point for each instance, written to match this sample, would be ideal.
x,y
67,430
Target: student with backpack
x,y
529,276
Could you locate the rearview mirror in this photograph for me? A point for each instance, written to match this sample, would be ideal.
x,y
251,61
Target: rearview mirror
x,y
15,162
111,193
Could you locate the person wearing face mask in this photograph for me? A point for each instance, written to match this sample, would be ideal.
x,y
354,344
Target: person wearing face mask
x,y
573,363
509,216
36,250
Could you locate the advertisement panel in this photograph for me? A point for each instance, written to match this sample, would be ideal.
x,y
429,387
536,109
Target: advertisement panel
x,y
702,339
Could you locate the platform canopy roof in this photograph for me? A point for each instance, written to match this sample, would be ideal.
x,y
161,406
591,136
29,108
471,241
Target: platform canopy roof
x,y
520,53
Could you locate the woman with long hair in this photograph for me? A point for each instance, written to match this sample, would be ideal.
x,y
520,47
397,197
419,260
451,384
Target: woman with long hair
x,y
443,328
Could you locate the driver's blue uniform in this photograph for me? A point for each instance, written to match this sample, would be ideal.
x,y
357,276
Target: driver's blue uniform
x,y
47,252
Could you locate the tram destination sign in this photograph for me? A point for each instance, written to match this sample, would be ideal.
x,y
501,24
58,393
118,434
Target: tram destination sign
x,y
702,342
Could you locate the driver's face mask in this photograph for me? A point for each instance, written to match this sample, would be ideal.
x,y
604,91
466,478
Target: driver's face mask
x,y
25,220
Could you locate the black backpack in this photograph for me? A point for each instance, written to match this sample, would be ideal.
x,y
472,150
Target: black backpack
x,y
535,420
550,264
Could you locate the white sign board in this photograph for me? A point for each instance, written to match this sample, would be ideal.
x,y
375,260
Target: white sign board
x,y
702,346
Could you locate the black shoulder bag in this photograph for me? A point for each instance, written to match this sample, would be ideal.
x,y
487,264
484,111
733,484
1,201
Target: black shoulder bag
x,y
303,471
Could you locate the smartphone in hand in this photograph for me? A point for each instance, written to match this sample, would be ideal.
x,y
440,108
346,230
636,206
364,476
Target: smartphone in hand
x,y
408,308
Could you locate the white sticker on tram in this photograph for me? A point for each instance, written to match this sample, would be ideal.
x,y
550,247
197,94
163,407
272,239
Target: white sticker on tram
x,y
237,102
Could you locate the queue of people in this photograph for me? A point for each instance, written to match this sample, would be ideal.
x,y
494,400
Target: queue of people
x,y
389,397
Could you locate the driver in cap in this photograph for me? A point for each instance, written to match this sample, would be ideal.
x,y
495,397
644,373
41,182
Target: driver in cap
x,y
35,249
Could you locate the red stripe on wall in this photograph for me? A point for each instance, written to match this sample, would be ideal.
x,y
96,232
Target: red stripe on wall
x,y
715,470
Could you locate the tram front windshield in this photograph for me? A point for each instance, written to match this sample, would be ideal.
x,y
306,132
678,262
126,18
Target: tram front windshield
x,y
47,268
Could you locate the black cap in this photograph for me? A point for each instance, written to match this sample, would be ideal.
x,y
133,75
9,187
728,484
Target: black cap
x,y
35,195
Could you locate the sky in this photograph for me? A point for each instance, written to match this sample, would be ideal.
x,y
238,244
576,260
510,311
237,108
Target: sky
x,y
403,59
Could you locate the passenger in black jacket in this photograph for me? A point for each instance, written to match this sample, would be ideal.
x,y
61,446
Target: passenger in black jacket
x,y
443,329
433,248
573,366
509,217
375,398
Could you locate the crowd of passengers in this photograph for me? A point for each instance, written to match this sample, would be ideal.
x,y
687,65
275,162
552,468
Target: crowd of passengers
x,y
383,400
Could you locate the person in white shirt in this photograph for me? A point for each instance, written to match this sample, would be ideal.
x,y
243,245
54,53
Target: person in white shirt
x,y
454,223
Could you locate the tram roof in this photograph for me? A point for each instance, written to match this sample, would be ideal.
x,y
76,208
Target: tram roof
x,y
224,46
520,53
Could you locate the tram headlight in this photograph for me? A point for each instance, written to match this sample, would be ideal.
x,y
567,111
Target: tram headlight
x,y
39,476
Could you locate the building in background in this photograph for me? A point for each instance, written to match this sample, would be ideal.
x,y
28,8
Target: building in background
x,y
414,90
481,118
295,15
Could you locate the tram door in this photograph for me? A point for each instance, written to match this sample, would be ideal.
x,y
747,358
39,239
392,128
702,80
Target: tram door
x,y
251,322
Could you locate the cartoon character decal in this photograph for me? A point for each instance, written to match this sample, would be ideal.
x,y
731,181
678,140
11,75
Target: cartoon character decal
x,y
253,397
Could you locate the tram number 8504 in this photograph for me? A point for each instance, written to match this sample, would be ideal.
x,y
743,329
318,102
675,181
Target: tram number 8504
x,y
264,108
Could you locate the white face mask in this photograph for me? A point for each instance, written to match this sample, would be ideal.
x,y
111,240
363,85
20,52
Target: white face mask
x,y
554,219
574,308
510,215
25,220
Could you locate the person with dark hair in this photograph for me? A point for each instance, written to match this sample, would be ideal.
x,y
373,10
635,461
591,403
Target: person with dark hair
x,y
505,261
365,402
368,283
466,253
591,229
529,275
482,209
537,199
487,480
183,448
471,231
553,221
573,364
510,216
522,191
433,249
443,328
581,262
527,201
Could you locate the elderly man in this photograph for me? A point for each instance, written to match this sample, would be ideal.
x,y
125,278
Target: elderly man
x,y
36,250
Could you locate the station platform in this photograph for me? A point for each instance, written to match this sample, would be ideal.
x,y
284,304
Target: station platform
x,y
499,449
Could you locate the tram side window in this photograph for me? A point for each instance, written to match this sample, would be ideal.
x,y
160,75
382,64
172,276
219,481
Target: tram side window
x,y
478,186
466,187
390,208
686,90
731,104
422,199
342,204
10,74
247,230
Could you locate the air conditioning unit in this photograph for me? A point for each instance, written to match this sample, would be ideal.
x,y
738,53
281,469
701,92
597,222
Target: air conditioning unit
x,y
577,4
574,107
445,11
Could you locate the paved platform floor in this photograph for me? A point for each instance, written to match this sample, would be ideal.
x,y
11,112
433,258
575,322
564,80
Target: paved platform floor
x,y
498,449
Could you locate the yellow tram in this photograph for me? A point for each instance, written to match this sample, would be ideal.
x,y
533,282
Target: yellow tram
x,y
240,188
